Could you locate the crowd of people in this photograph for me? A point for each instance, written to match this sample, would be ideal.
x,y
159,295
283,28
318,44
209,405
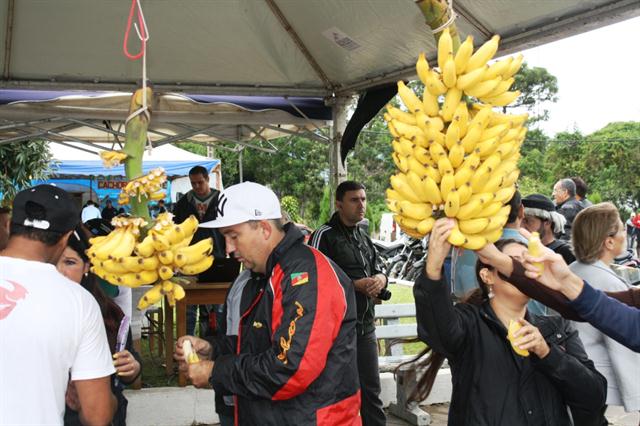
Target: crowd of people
x,y
295,341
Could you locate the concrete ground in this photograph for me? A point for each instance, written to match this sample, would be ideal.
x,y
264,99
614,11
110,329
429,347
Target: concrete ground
x,y
189,406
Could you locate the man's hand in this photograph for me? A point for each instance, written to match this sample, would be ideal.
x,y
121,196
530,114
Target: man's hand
x,y
366,285
200,346
199,373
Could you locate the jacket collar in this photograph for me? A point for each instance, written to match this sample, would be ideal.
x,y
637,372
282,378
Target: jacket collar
x,y
335,222
292,237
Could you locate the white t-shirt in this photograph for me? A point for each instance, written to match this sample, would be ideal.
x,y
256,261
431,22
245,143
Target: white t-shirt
x,y
50,328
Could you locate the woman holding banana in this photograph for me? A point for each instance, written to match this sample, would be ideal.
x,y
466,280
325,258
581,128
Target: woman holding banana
x,y
530,381
74,265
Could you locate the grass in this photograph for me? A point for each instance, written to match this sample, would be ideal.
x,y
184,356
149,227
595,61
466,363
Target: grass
x,y
403,294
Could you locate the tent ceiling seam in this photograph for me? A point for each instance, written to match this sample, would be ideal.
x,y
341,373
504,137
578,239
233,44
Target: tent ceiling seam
x,y
468,16
299,43
8,39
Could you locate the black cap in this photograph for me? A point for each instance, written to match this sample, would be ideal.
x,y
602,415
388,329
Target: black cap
x,y
538,201
45,207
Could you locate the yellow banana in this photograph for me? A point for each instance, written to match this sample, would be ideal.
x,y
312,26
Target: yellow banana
x,y
425,226
514,326
483,54
502,100
456,154
408,131
187,228
453,134
198,267
493,184
452,204
145,248
435,84
126,246
535,249
400,115
456,237
415,211
505,194
474,242
393,205
417,186
106,246
497,222
461,118
502,87
493,236
469,210
463,175
445,47
514,66
473,226
178,292
514,120
447,184
485,148
392,194
437,151
422,68
490,209
193,253
406,222
423,156
497,131
113,267
160,242
471,78
498,68
430,103
465,193
401,161
481,89
401,185
449,77
424,171
463,54
484,197
404,146
444,167
432,191
136,279
471,139
165,272
151,297
511,178
409,98
451,101
167,286
478,180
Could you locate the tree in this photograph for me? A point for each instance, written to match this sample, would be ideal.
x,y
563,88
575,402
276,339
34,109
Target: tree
x,y
20,163
537,86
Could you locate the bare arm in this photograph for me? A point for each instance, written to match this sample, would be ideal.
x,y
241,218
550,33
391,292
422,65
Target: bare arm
x,y
97,404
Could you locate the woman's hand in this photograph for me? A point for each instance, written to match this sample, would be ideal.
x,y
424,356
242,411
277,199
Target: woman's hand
x,y
528,338
555,274
439,247
127,367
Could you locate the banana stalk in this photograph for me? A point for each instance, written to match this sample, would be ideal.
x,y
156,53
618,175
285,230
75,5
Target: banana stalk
x,y
436,13
136,139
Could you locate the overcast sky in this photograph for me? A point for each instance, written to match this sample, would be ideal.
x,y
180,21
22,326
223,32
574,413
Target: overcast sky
x,y
598,77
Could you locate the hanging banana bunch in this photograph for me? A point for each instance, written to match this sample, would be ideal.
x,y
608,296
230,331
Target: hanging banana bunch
x,y
455,155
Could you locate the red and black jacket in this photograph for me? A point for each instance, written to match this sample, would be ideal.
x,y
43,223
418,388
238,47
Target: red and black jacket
x,y
295,354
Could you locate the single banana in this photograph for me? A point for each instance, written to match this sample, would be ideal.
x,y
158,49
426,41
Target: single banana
x,y
497,131
425,226
160,242
473,226
194,253
151,297
435,84
400,115
178,292
485,148
456,154
422,68
432,191
165,273
452,204
449,77
463,54
424,171
437,152
145,247
535,249
452,135
483,54
451,101
401,161
113,267
408,131
474,242
198,267
471,78
514,66
461,118
496,222
401,185
445,47
430,103
493,236
456,237
471,139
417,186
498,68
479,90
469,210
502,100
490,210
514,326
447,184
423,156
409,98
392,194
465,192
415,211
444,166
501,88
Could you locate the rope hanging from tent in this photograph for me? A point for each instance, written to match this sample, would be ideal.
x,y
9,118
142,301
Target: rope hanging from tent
x,y
143,35
452,17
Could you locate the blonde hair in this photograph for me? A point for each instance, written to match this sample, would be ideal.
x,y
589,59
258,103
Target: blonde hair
x,y
591,228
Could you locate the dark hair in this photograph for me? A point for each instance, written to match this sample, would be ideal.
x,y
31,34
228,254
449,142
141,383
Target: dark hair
x,y
432,360
346,186
278,224
581,186
111,313
5,210
48,238
515,203
199,170
569,186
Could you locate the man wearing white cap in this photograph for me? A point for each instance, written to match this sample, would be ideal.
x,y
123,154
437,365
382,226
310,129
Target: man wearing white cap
x,y
294,358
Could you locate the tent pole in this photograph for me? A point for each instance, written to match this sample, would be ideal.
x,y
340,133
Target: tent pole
x,y
337,170
240,164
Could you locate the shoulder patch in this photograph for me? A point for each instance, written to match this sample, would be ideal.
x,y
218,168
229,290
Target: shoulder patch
x,y
299,278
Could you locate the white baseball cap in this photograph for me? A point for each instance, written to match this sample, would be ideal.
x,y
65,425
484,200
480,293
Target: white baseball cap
x,y
244,202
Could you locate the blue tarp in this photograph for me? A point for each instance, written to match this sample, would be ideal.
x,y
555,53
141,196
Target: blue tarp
x,y
95,167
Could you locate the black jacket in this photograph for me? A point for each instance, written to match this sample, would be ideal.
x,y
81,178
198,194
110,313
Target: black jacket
x,y
569,209
352,249
185,207
294,360
494,386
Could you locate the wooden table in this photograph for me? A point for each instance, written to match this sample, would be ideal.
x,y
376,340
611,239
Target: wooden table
x,y
195,294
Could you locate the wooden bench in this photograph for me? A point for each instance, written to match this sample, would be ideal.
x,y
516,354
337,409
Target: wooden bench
x,y
391,329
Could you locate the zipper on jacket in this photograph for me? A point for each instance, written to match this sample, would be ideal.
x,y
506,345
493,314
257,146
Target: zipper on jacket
x,y
253,304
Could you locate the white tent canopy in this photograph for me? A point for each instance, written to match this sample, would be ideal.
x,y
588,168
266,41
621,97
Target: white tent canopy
x,y
284,47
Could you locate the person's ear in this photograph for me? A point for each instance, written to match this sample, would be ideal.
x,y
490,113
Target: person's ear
x,y
486,276
266,228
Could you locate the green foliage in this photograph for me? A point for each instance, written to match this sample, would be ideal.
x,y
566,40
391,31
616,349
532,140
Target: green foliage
x,y
21,162
325,209
290,205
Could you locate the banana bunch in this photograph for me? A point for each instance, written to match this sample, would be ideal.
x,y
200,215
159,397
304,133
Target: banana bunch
x,y
456,156
121,259
149,185
112,158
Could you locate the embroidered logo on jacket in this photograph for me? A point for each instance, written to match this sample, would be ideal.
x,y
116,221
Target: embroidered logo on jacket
x,y
285,344
299,278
